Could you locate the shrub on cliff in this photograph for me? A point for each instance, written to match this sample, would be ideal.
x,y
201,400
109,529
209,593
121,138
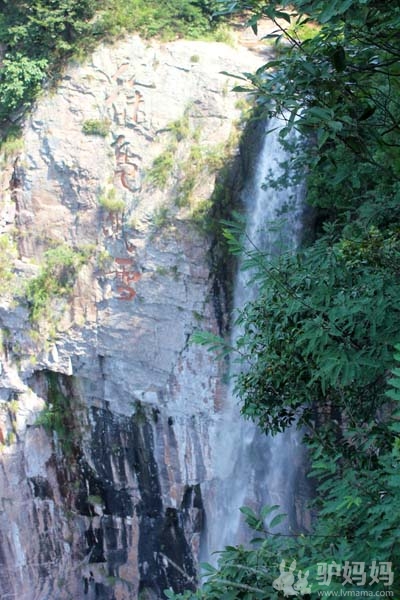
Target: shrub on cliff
x,y
55,280
38,36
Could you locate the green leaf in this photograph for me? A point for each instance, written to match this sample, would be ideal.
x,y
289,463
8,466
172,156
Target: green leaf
x,y
267,510
277,520
214,343
283,15
207,567
234,75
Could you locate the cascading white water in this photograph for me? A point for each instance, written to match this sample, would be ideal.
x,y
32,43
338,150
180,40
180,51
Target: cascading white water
x,y
250,468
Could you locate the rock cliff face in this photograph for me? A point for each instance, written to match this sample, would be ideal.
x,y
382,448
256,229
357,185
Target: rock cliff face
x,y
107,412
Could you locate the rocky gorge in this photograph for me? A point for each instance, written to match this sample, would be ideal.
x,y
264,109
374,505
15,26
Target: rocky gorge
x,y
107,411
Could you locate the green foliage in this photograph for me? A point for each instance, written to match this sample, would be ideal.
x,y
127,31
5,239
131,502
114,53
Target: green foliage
x,y
12,142
395,380
180,129
222,34
36,36
317,344
58,416
339,86
322,326
110,201
162,167
20,80
8,254
55,279
189,176
187,18
213,342
161,217
302,30
358,502
99,127
11,438
104,259
201,159
40,35
95,499
201,214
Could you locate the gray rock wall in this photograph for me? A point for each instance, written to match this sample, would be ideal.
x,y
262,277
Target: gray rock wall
x,y
104,499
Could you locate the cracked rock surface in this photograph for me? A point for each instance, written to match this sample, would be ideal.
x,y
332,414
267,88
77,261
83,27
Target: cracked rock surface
x,y
109,504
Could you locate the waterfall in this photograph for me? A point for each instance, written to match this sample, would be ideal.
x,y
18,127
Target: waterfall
x,y
252,469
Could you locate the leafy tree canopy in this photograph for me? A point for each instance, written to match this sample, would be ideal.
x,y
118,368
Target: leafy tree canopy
x,y
38,36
